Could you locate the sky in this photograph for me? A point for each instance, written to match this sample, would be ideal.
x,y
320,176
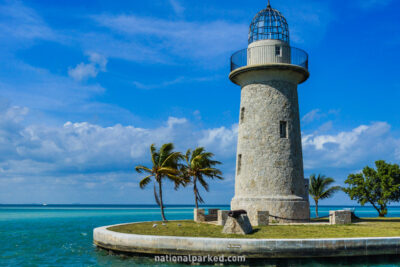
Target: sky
x,y
87,86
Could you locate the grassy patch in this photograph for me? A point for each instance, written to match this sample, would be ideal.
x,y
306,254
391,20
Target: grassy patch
x,y
370,227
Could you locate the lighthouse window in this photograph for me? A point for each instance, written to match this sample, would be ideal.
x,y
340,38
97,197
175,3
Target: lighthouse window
x,y
283,129
242,115
278,51
239,165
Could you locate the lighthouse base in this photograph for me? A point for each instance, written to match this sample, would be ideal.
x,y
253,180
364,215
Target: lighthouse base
x,y
281,209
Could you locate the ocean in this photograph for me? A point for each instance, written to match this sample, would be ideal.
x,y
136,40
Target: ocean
x,y
61,235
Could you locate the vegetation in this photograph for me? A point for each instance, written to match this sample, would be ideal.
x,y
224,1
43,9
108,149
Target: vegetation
x,y
319,188
378,187
165,165
199,165
383,227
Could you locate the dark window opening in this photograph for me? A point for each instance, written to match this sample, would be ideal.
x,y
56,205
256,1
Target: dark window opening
x,y
283,129
278,51
242,115
239,163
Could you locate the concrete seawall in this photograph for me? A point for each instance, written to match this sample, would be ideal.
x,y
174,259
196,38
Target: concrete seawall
x,y
251,248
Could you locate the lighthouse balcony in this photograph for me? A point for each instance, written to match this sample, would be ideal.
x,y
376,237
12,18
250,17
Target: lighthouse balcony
x,y
263,54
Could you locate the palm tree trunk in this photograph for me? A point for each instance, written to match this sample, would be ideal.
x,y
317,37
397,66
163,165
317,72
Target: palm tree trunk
x,y
195,192
161,201
316,208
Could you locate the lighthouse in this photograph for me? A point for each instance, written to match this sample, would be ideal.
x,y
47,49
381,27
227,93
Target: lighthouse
x,y
269,167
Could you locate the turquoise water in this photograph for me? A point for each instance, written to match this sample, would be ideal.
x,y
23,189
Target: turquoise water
x,y
62,235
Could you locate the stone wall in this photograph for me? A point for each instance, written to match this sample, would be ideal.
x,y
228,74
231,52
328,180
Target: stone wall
x,y
340,217
269,173
199,215
251,248
222,217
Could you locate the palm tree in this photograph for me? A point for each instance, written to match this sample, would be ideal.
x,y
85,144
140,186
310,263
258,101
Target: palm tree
x,y
198,166
319,188
165,165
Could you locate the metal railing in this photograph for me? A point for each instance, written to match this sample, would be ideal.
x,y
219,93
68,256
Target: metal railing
x,y
267,54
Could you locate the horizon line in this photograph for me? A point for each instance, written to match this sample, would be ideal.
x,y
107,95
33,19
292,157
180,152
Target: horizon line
x,y
155,205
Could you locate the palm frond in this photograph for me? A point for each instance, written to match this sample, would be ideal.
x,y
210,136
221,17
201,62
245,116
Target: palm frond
x,y
168,170
203,183
196,152
210,170
145,181
328,193
165,151
175,178
141,168
172,159
326,181
319,187
187,155
215,162
198,197
153,154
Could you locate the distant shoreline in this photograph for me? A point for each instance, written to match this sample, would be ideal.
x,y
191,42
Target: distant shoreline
x,y
155,206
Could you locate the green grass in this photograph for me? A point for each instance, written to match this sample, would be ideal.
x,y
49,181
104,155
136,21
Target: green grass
x,y
371,227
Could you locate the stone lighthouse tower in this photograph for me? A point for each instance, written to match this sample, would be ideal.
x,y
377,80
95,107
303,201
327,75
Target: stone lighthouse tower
x,y
269,170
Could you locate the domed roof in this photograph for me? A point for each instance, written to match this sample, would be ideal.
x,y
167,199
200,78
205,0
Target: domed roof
x,y
269,24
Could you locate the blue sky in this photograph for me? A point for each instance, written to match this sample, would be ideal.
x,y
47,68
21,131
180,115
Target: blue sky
x,y
86,87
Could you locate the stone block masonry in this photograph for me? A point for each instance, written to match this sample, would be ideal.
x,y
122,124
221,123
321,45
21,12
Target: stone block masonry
x,y
239,226
340,217
262,218
269,175
199,215
222,217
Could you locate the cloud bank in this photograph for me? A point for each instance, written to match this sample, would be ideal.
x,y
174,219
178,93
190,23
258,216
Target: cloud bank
x,y
85,148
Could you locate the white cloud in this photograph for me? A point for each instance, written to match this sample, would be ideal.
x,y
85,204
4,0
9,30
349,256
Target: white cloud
x,y
84,71
94,157
159,85
364,143
99,60
177,7
43,91
221,139
312,115
22,22
327,126
168,41
178,80
85,148
175,121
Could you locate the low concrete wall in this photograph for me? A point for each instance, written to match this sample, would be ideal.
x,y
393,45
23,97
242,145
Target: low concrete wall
x,y
251,248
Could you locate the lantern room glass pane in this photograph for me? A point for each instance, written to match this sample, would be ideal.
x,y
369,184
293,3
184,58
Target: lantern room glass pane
x,y
269,23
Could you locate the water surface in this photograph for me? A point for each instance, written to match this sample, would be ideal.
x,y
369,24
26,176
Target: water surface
x,y
59,235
